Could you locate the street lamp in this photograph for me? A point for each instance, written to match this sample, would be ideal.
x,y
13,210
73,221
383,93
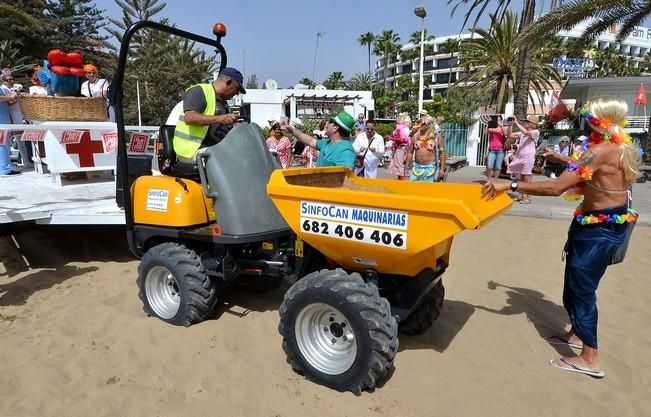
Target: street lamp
x,y
421,12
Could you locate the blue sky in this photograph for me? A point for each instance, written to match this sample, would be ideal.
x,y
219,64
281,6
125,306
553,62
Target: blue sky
x,y
279,36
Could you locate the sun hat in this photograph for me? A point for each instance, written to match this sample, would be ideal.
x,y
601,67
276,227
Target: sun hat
x,y
533,119
5,73
345,121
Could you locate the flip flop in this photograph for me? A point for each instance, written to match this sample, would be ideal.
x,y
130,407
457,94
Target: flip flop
x,y
557,340
573,368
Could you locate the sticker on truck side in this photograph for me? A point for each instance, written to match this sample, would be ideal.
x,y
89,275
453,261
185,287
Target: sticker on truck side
x,y
361,224
157,200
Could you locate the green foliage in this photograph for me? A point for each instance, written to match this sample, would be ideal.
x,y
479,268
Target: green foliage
x,y
335,81
21,22
308,82
461,104
491,62
610,63
601,15
360,82
165,67
10,57
408,106
386,44
133,11
74,25
384,129
367,39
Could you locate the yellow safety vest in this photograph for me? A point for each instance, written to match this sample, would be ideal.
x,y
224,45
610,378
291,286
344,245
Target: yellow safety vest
x,y
187,138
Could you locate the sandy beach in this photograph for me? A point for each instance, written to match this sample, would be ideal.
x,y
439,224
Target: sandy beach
x,y
75,342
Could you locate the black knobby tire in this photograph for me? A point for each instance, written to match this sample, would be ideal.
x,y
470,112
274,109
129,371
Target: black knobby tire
x,y
373,329
194,293
426,314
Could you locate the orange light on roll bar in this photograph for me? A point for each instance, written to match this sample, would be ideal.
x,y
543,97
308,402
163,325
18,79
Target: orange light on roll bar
x,y
219,29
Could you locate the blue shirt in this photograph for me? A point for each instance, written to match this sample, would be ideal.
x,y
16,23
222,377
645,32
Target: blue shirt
x,y
335,154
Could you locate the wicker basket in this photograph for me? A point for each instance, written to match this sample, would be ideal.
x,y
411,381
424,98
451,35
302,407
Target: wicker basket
x,y
82,109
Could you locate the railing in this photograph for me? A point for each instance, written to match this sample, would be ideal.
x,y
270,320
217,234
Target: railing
x,y
456,137
638,122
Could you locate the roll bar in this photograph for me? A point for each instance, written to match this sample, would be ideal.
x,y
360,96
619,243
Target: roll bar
x,y
116,101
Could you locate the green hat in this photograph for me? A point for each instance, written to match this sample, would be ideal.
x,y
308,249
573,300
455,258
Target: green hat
x,y
344,121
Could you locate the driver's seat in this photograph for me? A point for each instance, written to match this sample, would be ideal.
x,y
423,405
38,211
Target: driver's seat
x,y
168,163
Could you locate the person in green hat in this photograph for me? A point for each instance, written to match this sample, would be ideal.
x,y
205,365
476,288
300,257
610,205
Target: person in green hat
x,y
336,150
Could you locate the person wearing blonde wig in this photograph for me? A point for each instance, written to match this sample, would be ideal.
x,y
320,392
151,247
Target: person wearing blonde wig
x,y
401,140
602,176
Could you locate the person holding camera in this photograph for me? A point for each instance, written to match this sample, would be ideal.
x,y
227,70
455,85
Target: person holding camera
x,y
335,149
525,153
496,136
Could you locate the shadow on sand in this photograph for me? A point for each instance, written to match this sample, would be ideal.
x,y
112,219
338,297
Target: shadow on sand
x,y
40,256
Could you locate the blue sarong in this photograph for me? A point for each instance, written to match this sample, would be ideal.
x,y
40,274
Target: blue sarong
x,y
589,250
423,173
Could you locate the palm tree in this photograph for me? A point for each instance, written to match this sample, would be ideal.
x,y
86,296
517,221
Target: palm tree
x,y
360,82
386,44
451,46
308,82
647,64
11,57
521,88
491,61
415,39
367,39
335,81
625,13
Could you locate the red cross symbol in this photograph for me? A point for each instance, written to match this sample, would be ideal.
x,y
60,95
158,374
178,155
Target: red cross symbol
x,y
85,149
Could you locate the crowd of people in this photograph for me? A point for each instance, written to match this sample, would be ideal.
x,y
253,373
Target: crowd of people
x,y
415,153
11,113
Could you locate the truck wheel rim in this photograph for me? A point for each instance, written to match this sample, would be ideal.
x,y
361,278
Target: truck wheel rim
x,y
162,292
325,338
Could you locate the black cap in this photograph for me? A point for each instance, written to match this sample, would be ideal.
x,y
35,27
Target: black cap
x,y
235,75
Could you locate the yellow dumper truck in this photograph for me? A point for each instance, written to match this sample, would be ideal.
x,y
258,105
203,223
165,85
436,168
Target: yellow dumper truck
x,y
365,257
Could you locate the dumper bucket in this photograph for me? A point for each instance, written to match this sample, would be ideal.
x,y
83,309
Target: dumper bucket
x,y
393,227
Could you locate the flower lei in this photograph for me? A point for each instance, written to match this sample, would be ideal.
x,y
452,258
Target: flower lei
x,y
630,217
604,124
576,193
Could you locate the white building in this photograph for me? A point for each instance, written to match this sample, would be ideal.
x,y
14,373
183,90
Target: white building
x,y
263,104
442,66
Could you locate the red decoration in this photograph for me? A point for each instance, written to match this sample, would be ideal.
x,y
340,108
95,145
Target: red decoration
x,y
640,97
77,72
71,137
33,135
74,59
110,141
86,148
138,142
59,70
56,57
559,112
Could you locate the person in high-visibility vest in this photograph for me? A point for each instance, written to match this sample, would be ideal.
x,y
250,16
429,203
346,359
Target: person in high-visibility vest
x,y
205,118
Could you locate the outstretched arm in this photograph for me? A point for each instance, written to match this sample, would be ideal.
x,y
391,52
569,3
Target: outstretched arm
x,y
578,172
303,137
